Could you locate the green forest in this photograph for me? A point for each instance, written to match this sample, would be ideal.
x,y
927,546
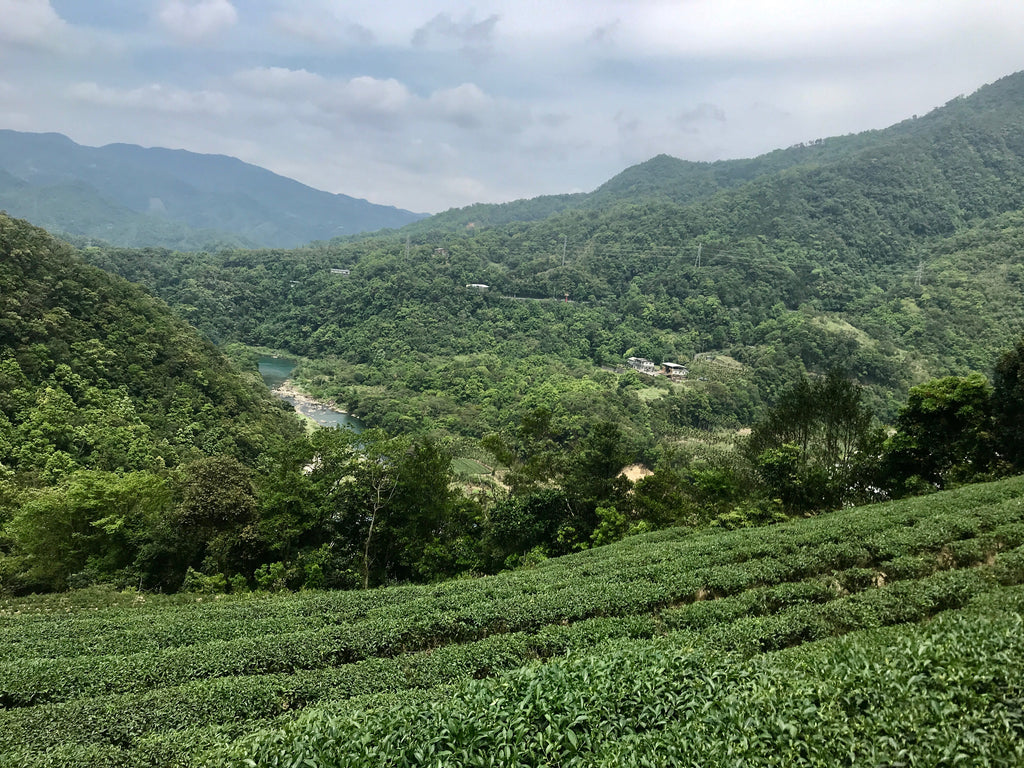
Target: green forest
x,y
847,312
527,519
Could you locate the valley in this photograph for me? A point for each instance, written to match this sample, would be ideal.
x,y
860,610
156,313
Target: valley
x,y
799,543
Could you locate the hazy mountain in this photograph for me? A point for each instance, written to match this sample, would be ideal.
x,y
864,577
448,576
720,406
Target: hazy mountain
x,y
969,139
135,196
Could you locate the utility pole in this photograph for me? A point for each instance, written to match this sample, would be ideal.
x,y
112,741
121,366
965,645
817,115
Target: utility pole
x,y
920,271
565,243
407,238
696,261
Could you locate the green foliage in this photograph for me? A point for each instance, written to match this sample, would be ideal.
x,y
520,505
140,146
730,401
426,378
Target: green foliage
x,y
102,392
925,693
943,434
347,509
89,528
98,375
1008,406
817,448
177,679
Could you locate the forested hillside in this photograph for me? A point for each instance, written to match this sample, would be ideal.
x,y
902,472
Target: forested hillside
x,y
893,255
136,196
103,391
853,303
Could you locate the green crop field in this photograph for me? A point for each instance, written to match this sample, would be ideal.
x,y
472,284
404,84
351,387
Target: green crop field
x,y
883,635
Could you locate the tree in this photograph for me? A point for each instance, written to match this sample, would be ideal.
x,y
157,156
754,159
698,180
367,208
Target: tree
x,y
213,526
1008,406
943,434
90,528
816,447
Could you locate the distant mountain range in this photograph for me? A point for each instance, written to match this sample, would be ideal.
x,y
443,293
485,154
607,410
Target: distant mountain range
x,y
135,196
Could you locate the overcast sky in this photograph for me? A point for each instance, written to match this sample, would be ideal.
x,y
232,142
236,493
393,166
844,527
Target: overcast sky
x,y
431,104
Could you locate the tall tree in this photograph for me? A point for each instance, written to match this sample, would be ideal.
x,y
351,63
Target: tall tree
x,y
1008,406
816,447
943,434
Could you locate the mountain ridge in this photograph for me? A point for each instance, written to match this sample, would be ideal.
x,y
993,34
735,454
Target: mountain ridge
x,y
188,199
679,181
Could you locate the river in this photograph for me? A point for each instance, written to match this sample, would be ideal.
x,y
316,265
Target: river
x,y
275,372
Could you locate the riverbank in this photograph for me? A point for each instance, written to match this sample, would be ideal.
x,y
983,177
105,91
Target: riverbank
x,y
289,391
319,412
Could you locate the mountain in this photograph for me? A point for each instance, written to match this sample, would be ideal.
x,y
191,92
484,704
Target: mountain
x,y
97,375
891,254
994,112
134,196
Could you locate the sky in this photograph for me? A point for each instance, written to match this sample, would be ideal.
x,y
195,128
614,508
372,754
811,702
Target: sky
x,y
434,104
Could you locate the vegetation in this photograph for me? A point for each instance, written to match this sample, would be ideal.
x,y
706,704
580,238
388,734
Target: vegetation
x,y
769,279
109,405
135,196
659,625
894,256
538,555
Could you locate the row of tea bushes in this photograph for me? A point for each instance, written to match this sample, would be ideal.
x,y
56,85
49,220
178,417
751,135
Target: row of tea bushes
x,y
944,693
119,721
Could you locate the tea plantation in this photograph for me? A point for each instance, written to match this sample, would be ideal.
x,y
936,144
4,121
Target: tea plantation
x,y
882,635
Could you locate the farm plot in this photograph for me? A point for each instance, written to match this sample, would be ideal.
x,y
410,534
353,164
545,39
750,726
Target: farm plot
x,y
102,678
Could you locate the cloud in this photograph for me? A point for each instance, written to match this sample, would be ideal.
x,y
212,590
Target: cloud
x,y
604,34
691,120
30,22
391,101
465,105
281,82
197,21
362,95
471,35
322,28
154,97
366,98
359,98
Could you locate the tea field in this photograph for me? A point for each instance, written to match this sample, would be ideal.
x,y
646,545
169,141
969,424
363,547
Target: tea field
x,y
882,635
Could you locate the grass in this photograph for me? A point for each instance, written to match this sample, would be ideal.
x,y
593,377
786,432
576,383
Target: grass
x,y
467,467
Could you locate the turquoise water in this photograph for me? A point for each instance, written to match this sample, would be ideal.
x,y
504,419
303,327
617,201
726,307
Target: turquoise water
x,y
276,370
324,416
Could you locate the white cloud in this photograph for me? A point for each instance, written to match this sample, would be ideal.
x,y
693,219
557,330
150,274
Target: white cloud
x,y
154,97
465,105
30,22
197,20
373,96
357,99
322,26
448,102
808,29
281,82
467,31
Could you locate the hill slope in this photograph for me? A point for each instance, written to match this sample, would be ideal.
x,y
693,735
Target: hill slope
x,y
95,374
135,196
680,643
893,255
993,112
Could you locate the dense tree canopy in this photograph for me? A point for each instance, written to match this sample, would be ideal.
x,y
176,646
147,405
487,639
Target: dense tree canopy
x,y
131,450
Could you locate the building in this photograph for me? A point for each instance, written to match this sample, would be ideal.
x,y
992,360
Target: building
x,y
477,286
643,365
675,370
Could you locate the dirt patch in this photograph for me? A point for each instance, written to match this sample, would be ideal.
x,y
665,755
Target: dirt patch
x,y
635,472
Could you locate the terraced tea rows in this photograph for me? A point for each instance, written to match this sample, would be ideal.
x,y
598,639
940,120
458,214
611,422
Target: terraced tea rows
x,y
129,680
